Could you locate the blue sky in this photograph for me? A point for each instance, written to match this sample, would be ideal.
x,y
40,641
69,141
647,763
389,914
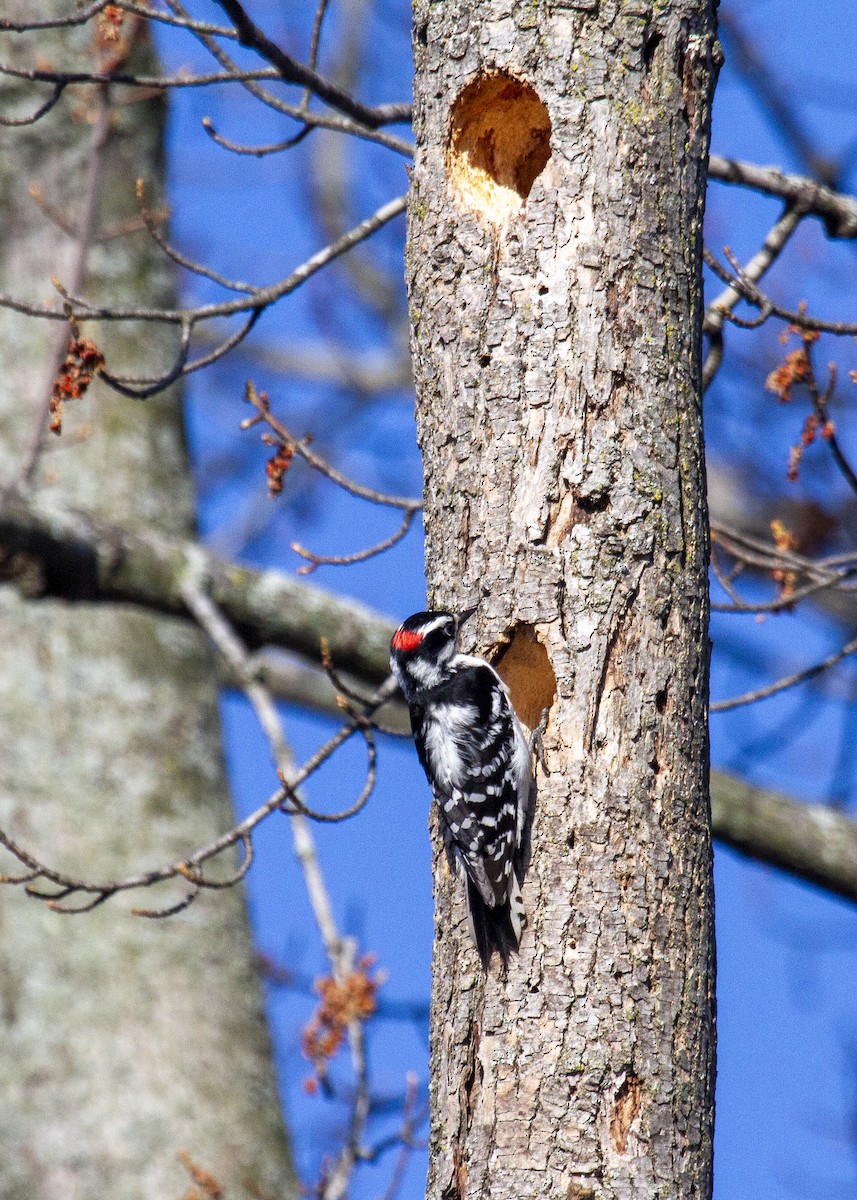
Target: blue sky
x,y
787,1012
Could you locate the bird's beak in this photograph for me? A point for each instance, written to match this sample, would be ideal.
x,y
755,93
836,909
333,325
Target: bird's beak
x,y
466,615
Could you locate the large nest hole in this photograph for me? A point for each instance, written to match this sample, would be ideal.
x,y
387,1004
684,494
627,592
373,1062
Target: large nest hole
x,y
499,143
525,668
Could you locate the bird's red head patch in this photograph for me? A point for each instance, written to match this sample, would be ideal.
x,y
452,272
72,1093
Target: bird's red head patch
x,y
406,640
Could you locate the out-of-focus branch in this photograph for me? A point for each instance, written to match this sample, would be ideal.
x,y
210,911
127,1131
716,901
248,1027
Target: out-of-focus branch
x,y
811,841
85,228
63,553
366,371
836,209
236,656
773,97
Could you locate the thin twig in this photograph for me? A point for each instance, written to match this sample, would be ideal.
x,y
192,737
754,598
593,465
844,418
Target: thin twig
x,y
85,229
787,681
761,262
340,951
261,298
820,401
79,18
346,560
749,292
261,402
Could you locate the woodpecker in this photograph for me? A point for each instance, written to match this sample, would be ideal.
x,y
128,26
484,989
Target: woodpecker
x,y
479,765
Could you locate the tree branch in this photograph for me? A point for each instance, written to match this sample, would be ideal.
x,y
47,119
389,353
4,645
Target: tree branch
x,y
79,558
292,71
811,841
837,210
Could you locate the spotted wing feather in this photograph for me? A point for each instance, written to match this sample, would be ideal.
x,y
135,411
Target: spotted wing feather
x,y
465,733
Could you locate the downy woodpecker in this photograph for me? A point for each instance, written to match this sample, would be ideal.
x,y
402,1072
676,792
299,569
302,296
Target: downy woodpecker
x,y
479,765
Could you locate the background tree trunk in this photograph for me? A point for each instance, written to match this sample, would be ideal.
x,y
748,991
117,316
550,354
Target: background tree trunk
x,y
554,263
124,1040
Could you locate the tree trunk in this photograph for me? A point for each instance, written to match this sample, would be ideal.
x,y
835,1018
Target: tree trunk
x,y
125,1041
554,268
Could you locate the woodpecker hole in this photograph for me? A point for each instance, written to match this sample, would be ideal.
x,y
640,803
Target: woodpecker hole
x,y
498,145
526,670
626,1109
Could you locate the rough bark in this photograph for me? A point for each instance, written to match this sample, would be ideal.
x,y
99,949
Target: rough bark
x,y
124,1041
556,310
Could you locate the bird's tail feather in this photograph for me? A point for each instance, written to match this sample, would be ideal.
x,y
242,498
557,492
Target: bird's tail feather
x,y
497,928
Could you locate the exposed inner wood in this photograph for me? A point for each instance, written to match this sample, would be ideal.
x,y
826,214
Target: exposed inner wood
x,y
499,144
525,668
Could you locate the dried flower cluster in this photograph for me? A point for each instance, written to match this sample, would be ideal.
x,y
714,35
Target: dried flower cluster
x,y
82,361
108,25
795,369
276,467
812,427
207,1187
354,999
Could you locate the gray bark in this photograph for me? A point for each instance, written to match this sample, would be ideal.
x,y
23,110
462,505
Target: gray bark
x,y
124,1041
556,305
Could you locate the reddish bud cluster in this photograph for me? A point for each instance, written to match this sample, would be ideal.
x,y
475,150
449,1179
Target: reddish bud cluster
x,y
109,23
813,426
783,378
355,999
276,467
83,360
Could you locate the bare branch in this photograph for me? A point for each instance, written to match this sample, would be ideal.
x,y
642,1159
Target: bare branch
x,y
811,841
261,403
748,291
347,560
190,868
837,210
64,79
259,299
17,122
788,681
761,262
80,17
292,71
